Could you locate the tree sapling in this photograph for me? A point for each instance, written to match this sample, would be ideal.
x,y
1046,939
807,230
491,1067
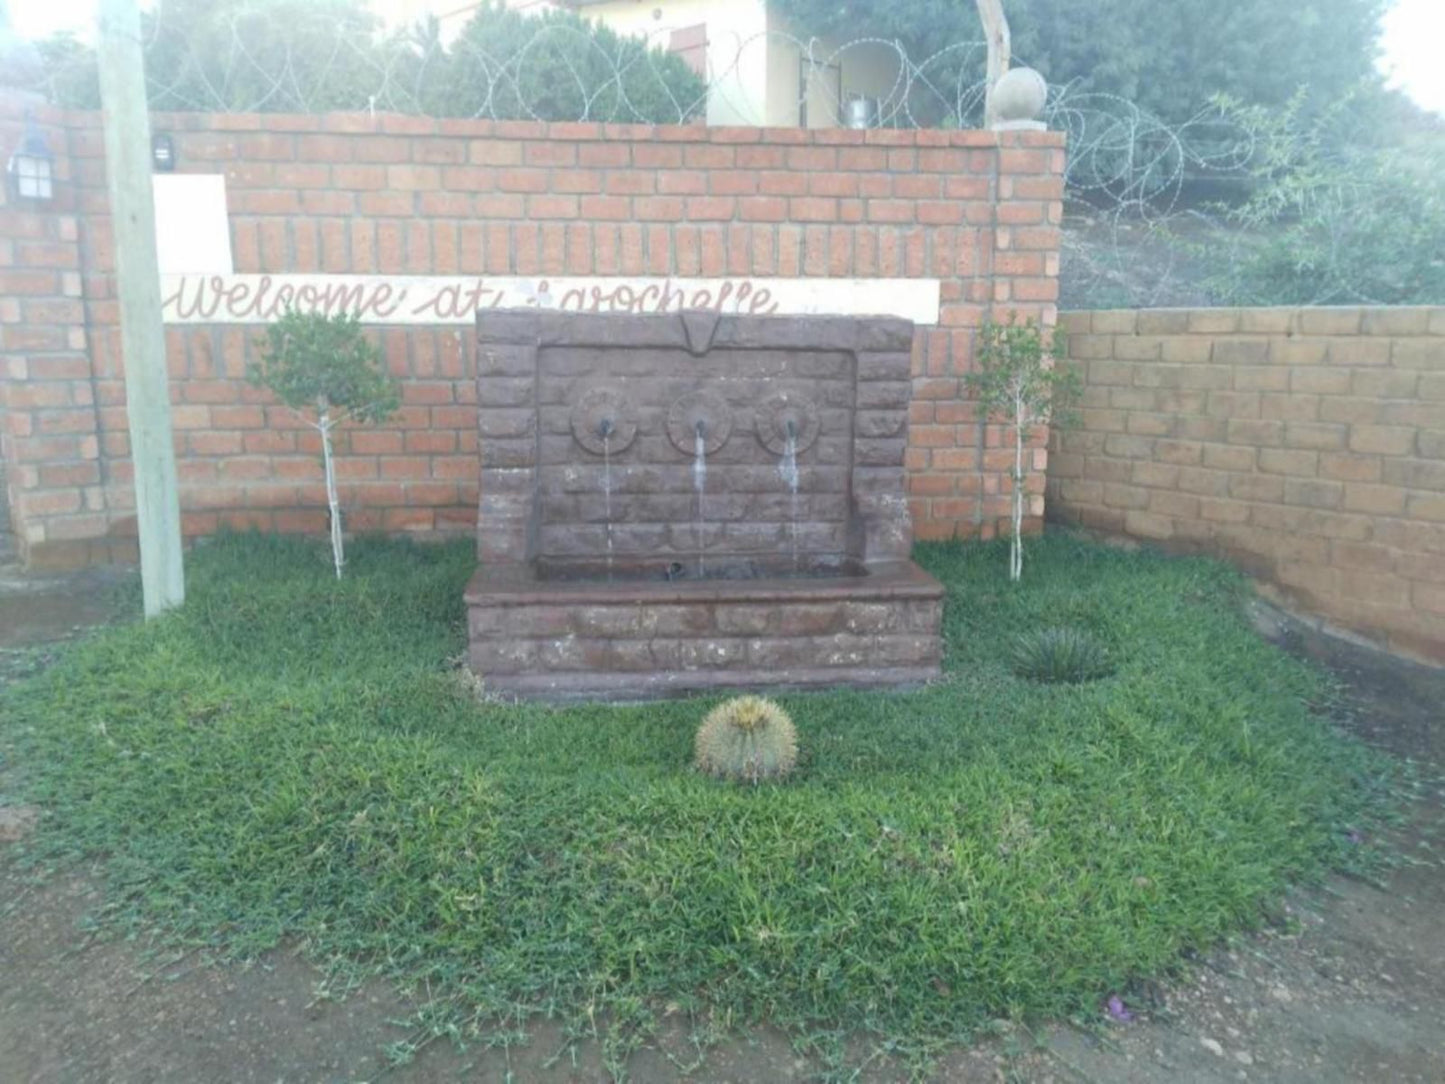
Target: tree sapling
x,y
1018,380
328,372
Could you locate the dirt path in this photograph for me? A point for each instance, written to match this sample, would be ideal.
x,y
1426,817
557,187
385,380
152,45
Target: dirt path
x,y
1357,994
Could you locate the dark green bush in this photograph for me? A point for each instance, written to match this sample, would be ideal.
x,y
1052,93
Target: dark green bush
x,y
556,66
302,56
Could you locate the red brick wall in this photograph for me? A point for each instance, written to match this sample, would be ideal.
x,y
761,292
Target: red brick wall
x,y
407,195
49,438
1308,445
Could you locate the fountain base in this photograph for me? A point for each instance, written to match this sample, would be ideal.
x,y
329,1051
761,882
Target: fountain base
x,y
557,638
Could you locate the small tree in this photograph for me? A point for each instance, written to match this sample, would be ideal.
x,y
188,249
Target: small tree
x,y
328,372
1018,379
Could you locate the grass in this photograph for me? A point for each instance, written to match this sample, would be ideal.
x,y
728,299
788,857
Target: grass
x,y
292,758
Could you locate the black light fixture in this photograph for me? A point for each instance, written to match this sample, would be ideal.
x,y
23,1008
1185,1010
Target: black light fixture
x,y
31,169
163,153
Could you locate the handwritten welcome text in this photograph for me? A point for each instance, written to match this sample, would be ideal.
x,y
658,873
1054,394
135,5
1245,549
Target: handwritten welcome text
x,y
389,299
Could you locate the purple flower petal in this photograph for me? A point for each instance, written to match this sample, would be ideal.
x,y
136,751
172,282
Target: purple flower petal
x,y
1115,1005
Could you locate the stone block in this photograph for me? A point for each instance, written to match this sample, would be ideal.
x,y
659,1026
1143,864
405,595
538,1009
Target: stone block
x,y
1256,487
1420,354
1241,351
1313,493
1382,440
875,365
1163,321
1325,320
1116,321
1213,321
1148,525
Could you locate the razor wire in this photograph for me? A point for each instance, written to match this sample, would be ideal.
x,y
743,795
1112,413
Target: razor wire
x,y
1127,171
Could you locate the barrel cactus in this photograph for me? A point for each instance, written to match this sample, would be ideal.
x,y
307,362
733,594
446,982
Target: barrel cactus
x,y
747,739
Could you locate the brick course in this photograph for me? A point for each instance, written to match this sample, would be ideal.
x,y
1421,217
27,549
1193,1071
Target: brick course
x,y
1308,445
408,195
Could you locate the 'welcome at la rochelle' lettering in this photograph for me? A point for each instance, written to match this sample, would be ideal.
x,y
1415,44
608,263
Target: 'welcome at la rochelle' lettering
x,y
416,299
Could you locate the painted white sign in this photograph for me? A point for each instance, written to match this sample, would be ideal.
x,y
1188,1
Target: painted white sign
x,y
415,299
192,233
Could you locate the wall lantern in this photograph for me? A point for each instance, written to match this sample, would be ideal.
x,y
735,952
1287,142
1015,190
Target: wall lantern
x,y
163,153
31,169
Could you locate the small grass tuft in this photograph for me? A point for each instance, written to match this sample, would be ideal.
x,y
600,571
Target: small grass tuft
x,y
1060,656
289,756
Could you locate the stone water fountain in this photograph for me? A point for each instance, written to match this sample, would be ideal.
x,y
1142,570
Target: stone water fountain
x,y
687,502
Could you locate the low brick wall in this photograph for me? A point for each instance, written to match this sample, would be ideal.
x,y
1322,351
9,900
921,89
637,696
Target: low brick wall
x,y
1308,445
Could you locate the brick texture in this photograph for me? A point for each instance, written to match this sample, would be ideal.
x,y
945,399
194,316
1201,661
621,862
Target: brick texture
x,y
653,638
642,395
547,380
359,194
1307,445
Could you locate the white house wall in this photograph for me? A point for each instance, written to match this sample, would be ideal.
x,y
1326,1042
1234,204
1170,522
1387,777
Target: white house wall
x,y
737,47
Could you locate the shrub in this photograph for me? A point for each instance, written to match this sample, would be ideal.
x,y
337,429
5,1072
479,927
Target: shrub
x,y
1065,656
1335,218
747,739
305,56
556,66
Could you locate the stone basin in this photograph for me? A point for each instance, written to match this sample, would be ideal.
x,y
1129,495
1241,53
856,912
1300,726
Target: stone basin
x,y
634,640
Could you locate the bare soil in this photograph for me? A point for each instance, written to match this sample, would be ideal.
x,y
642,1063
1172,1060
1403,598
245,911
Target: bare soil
x,y
1354,991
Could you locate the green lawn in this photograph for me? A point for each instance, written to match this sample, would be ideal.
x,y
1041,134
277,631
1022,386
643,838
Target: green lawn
x,y
292,758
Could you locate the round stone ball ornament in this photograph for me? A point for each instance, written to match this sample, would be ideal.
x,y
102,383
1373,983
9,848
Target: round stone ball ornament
x,y
1018,100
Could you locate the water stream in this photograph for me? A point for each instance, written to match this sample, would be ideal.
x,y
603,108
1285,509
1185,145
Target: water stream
x,y
788,471
607,489
699,485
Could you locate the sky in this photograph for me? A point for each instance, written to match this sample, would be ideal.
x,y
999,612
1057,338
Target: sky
x,y
1414,33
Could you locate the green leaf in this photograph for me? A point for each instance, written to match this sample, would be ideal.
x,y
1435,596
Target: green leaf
x,y
313,362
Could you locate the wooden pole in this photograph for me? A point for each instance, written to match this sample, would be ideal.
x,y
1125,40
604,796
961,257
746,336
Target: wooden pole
x,y
138,286
995,32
